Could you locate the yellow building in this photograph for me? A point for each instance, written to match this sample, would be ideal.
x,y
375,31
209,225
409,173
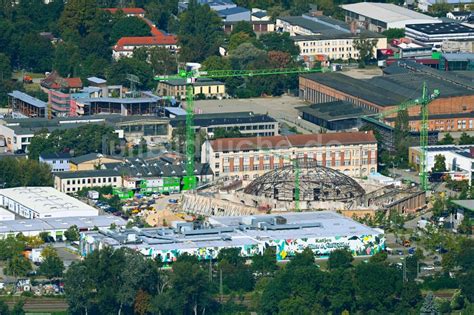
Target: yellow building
x,y
90,162
207,87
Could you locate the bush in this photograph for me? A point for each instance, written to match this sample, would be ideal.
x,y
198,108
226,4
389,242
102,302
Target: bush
x,y
443,281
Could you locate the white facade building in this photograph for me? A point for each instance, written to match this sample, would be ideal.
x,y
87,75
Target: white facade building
x,y
43,202
459,159
379,17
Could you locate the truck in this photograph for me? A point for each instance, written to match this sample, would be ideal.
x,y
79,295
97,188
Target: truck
x,y
93,194
27,79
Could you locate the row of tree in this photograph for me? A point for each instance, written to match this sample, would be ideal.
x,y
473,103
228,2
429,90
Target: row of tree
x,y
122,282
78,141
16,172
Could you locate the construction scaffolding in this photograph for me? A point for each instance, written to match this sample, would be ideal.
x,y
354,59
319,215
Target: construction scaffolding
x,y
305,181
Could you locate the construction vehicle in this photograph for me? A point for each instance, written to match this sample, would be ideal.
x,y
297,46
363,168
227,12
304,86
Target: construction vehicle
x,y
190,74
423,102
27,79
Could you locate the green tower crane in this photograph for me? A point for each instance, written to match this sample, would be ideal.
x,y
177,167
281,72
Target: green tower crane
x,y
423,102
190,74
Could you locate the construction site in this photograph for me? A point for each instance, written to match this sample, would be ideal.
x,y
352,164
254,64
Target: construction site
x,y
307,187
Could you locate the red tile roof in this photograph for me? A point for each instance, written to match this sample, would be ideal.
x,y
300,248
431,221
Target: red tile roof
x,y
284,142
74,82
126,10
145,41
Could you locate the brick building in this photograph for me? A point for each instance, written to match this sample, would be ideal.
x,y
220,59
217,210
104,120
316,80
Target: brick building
x,y
353,153
453,110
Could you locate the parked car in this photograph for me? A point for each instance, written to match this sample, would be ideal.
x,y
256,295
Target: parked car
x,y
173,200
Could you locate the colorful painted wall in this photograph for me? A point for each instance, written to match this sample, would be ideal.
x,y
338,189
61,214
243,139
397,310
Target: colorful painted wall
x,y
364,245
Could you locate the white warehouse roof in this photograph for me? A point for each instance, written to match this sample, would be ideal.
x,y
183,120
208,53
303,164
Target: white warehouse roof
x,y
388,12
46,202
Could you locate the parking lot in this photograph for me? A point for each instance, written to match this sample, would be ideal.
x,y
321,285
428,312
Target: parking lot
x,y
283,109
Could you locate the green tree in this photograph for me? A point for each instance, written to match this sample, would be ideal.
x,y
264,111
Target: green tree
x,y
66,59
72,233
163,61
366,48
18,308
440,163
380,257
279,42
117,73
39,144
129,26
440,9
162,12
401,137
17,266
447,139
221,132
11,247
5,68
78,286
4,308
340,258
264,265
429,305
52,266
200,32
243,27
394,33
78,17
236,39
465,139
35,53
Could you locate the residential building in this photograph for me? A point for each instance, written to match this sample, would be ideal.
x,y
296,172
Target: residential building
x,y
73,181
19,132
55,227
54,81
215,5
26,105
234,14
454,104
425,5
324,38
58,162
160,175
459,159
91,161
177,88
135,12
322,232
259,26
247,123
434,34
126,45
378,17
43,202
353,153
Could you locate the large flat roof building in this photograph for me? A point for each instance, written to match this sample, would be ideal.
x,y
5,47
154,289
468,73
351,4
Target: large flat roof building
x,y
379,17
26,104
56,227
247,123
290,233
382,93
43,202
436,33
